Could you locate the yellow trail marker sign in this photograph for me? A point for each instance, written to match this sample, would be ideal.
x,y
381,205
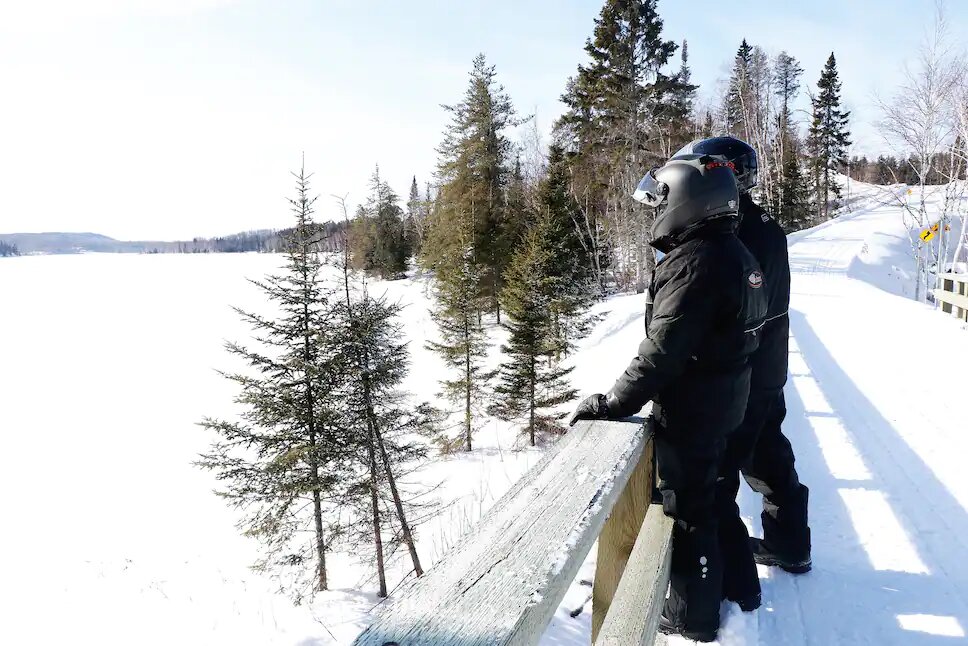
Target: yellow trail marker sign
x,y
927,234
934,227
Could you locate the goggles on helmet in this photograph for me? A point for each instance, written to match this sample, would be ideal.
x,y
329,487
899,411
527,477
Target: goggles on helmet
x,y
651,191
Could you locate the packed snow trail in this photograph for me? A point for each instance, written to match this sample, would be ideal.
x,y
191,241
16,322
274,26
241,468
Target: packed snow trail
x,y
876,381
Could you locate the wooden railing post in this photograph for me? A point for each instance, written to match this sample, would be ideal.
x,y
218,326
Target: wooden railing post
x,y
634,616
618,537
952,293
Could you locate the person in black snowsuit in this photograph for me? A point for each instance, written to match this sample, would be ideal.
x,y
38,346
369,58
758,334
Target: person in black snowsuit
x,y
707,305
758,447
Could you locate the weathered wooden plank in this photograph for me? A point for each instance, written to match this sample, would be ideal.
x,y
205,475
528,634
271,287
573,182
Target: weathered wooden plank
x,y
503,581
634,614
618,536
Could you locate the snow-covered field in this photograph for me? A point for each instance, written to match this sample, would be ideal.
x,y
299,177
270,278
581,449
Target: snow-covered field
x,y
111,536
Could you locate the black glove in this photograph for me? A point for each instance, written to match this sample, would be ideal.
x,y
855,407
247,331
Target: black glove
x,y
595,407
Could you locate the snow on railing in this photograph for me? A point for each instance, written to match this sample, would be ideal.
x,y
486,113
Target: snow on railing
x,y
503,581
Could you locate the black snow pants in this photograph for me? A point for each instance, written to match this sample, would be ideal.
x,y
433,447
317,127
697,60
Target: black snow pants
x,y
687,476
759,449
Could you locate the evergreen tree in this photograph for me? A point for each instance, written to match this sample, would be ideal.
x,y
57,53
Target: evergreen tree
x,y
286,453
707,128
737,94
790,195
616,104
415,220
532,381
828,140
473,173
676,112
8,249
380,424
517,214
377,239
463,344
570,264
794,205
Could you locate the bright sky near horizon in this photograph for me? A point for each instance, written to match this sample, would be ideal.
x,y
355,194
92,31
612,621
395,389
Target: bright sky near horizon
x,y
168,119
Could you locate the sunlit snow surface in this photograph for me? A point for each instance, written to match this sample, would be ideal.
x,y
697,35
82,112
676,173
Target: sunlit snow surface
x,y
110,536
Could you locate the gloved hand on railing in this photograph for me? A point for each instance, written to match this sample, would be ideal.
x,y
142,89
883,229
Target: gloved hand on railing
x,y
594,407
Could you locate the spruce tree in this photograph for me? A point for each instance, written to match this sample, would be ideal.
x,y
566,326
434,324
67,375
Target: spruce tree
x,y
790,194
517,214
570,263
378,241
381,427
473,173
616,104
462,344
794,206
285,454
380,424
828,140
737,93
675,111
532,381
415,220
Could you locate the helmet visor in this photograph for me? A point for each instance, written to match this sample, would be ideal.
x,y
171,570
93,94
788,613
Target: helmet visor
x,y
651,191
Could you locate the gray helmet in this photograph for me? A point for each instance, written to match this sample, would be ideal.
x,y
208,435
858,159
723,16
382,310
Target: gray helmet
x,y
731,149
687,191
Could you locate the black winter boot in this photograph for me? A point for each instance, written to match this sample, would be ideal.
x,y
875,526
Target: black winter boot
x,y
666,627
750,603
765,556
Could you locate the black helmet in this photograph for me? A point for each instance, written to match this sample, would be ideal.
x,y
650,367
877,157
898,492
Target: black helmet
x,y
732,149
685,192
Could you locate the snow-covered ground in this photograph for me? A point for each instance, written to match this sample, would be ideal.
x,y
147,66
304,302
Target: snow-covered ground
x,y
111,536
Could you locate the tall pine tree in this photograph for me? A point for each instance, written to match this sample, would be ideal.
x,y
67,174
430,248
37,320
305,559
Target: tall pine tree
x,y
737,93
611,127
790,194
474,172
286,453
676,123
827,141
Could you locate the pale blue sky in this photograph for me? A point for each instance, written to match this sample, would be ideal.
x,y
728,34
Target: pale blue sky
x,y
174,118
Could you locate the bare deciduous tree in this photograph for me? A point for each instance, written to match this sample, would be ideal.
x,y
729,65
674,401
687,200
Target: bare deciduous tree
x,y
921,120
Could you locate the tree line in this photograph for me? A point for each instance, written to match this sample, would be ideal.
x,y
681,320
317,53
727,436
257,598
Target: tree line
x,y
8,249
330,236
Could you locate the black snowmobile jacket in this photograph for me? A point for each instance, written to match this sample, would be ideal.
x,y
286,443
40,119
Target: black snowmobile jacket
x,y
707,309
765,239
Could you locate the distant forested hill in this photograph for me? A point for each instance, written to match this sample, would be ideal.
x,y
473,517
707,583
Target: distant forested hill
x,y
331,236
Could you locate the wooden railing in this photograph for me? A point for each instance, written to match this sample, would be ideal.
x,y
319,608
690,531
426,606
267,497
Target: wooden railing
x,y
502,582
952,293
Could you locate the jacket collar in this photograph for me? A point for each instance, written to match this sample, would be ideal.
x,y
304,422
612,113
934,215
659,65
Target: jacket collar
x,y
721,225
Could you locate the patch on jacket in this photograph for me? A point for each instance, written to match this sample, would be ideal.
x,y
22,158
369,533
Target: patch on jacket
x,y
765,217
755,279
